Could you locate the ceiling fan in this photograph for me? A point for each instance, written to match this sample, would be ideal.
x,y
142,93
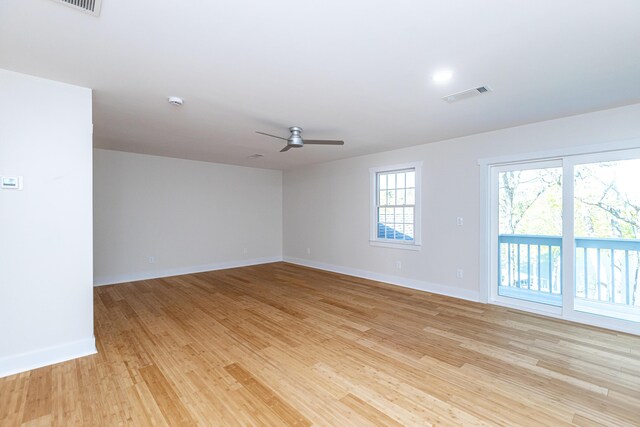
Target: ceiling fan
x,y
295,139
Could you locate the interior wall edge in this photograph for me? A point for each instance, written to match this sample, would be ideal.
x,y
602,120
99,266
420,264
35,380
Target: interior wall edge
x,y
156,274
405,282
23,362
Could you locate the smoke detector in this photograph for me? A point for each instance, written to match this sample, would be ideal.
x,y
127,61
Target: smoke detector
x,y
175,100
92,7
469,93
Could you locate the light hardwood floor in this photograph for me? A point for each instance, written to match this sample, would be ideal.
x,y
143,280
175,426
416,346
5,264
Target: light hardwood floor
x,y
280,344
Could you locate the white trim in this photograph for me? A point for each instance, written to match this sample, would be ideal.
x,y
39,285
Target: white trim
x,y
155,274
420,285
518,304
484,222
395,245
417,214
397,167
568,257
616,311
525,305
562,152
524,166
603,322
605,157
47,356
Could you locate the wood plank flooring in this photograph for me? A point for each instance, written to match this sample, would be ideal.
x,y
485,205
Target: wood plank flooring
x,y
279,344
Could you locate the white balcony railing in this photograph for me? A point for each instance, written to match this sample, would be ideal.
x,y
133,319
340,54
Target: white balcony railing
x,y
607,270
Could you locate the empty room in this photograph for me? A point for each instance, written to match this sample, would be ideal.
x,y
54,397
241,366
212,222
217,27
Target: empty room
x,y
329,213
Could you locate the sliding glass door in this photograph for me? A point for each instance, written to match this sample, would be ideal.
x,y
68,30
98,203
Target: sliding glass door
x,y
607,236
565,237
529,216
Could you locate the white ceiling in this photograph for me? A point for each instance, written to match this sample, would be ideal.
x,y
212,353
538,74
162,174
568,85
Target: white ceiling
x,y
357,70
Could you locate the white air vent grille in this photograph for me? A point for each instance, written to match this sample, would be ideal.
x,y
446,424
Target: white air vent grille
x,y
92,7
467,94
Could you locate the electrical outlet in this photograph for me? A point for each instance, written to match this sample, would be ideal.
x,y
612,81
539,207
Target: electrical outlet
x,y
399,265
460,273
459,221
152,260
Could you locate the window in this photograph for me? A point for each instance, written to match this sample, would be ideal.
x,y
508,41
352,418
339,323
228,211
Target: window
x,y
395,207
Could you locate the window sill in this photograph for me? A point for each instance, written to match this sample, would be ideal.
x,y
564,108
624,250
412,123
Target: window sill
x,y
396,245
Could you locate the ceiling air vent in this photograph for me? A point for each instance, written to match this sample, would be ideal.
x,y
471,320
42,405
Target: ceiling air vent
x,y
255,156
467,94
92,7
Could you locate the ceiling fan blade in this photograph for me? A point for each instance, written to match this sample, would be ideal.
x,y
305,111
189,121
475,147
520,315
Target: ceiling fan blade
x,y
286,148
323,142
272,136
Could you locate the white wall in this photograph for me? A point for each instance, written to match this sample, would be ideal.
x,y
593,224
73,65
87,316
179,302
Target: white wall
x,y
46,293
326,207
189,216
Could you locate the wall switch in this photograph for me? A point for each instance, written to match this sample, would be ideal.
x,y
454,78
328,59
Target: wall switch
x,y
399,265
460,273
11,182
245,251
460,221
152,260
308,251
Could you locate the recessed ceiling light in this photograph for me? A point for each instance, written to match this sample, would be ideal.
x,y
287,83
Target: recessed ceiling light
x,y
175,100
442,76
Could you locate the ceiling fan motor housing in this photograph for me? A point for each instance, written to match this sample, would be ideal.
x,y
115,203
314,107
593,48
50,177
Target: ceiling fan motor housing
x,y
295,139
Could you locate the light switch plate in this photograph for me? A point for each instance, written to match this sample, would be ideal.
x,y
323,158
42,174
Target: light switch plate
x,y
11,182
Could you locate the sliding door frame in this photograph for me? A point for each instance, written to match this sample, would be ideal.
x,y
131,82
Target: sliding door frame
x,y
568,158
494,296
571,313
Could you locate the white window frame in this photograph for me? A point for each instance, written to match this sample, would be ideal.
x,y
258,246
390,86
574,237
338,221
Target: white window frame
x,y
374,240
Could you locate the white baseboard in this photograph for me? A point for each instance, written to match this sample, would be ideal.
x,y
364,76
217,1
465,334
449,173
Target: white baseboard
x,y
47,356
394,280
155,274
